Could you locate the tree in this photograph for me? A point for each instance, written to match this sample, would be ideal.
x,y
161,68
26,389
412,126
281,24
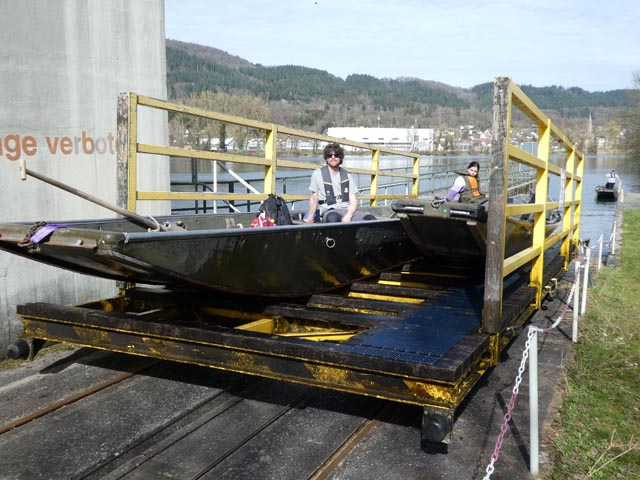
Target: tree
x,y
222,134
630,121
198,131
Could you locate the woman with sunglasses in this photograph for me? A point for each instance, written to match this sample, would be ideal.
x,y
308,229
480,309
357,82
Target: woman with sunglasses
x,y
333,191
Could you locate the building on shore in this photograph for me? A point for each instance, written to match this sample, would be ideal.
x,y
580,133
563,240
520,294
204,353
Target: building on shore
x,y
403,139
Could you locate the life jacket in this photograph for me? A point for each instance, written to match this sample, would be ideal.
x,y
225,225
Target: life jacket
x,y
328,186
471,192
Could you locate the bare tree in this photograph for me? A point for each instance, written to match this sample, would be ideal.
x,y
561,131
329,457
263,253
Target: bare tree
x,y
198,132
630,121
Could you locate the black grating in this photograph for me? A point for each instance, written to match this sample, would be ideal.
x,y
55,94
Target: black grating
x,y
426,335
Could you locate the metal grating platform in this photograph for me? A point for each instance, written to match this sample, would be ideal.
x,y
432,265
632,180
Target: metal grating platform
x,y
424,336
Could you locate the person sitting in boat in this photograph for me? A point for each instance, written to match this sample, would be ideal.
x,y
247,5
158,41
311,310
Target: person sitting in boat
x,y
467,185
333,191
612,178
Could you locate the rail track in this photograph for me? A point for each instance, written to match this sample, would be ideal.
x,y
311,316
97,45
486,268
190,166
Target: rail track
x,y
97,415
219,435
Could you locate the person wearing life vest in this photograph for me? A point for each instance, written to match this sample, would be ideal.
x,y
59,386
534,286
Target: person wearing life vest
x,y
467,185
333,191
612,178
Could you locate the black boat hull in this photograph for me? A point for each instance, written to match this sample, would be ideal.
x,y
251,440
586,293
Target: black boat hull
x,y
453,236
606,194
294,260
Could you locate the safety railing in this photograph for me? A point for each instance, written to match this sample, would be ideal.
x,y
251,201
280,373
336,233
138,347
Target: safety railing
x,y
129,147
508,95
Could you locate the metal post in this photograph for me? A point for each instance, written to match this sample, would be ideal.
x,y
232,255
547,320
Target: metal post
x,y
612,243
585,281
214,171
600,242
576,305
533,402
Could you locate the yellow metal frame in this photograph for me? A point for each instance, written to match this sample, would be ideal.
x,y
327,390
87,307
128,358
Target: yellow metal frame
x,y
130,147
573,178
510,96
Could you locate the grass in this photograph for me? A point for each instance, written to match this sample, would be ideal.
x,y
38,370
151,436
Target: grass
x,y
599,431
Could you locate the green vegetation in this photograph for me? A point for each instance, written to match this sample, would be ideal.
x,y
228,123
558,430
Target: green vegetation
x,y
600,423
313,99
630,120
575,100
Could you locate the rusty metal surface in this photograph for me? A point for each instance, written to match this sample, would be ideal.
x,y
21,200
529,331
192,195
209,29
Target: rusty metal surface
x,y
287,261
184,421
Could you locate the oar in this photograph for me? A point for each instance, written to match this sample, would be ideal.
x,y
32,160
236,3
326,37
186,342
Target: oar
x,y
134,217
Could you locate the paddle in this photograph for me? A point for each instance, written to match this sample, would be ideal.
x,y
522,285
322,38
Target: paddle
x,y
145,222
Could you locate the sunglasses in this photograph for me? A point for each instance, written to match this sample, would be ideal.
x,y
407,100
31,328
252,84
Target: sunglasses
x,y
332,155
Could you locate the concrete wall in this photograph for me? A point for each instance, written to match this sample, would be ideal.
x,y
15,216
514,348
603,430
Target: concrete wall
x,y
62,65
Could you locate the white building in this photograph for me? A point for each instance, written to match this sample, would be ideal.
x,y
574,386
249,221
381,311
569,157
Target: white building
x,y
404,139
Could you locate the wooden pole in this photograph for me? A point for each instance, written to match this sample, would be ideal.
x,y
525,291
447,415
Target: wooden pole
x,y
492,311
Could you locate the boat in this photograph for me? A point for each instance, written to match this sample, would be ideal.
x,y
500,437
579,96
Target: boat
x,y
452,236
219,252
606,194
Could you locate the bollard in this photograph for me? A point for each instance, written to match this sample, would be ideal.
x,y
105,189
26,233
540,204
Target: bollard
x,y
612,242
600,242
576,304
534,463
585,282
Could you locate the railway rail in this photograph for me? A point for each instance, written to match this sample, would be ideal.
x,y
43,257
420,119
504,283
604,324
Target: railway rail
x,y
171,420
188,445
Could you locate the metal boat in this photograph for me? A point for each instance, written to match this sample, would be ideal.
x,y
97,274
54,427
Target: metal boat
x,y
606,194
219,252
453,235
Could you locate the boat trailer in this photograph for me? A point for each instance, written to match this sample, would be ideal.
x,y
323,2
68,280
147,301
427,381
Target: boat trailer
x,y
406,336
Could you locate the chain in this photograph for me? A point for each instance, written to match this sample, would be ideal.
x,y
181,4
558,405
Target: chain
x,y
437,201
516,388
26,241
512,403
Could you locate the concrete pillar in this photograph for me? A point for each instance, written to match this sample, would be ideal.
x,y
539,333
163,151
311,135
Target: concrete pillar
x,y
62,65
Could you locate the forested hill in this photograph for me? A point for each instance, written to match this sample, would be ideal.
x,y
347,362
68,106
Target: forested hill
x,y
311,95
555,97
193,68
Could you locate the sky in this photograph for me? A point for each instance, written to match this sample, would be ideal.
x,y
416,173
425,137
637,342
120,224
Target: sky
x,y
594,45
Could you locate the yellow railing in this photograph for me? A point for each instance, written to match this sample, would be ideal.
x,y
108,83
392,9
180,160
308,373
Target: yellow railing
x,y
508,95
129,148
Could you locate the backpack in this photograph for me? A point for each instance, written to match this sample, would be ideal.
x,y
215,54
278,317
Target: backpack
x,y
262,220
276,208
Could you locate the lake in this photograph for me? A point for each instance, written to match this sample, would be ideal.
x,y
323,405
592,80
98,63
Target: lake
x,y
597,217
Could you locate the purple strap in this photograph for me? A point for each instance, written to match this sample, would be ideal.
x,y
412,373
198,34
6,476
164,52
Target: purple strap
x,y
45,231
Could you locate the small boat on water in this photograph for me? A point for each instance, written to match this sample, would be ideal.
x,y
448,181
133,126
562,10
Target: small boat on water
x,y
607,194
453,235
219,252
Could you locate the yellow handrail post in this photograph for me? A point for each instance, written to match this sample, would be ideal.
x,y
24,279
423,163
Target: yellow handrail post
x,y
539,219
567,211
578,209
375,165
415,184
271,155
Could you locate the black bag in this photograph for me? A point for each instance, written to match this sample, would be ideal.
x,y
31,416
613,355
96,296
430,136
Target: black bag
x,y
276,208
